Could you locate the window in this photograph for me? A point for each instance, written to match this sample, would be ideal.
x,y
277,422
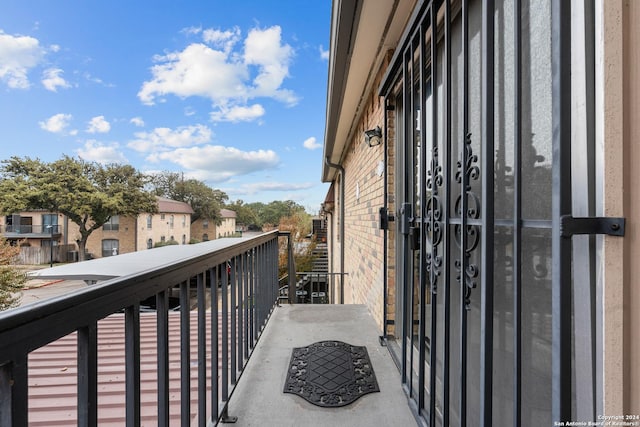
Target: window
x,y
113,224
110,247
149,221
171,221
149,243
205,237
50,223
162,216
205,223
162,239
184,220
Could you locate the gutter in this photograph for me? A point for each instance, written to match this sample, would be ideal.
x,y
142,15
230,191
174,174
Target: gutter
x,y
342,186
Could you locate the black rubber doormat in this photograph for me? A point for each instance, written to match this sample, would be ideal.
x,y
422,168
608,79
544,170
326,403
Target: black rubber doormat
x,y
330,373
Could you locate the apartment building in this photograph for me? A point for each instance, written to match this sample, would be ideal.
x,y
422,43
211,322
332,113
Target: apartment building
x,y
204,229
172,223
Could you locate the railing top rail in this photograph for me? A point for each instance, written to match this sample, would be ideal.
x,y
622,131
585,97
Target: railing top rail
x,y
29,327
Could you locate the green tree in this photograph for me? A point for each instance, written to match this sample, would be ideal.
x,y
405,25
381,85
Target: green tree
x,y
260,214
11,279
205,201
276,210
244,214
299,224
88,193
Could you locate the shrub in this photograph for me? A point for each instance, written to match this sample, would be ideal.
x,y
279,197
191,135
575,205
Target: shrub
x,y
11,278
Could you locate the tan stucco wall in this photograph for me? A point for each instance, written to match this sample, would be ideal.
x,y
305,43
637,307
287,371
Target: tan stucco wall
x,y
631,191
618,92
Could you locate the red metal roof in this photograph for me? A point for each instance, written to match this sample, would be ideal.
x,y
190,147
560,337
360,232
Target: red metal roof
x,y
53,374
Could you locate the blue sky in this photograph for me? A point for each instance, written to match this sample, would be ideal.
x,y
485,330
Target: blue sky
x,y
229,92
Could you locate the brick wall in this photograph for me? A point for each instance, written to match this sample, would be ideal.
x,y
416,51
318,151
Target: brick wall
x,y
125,236
364,196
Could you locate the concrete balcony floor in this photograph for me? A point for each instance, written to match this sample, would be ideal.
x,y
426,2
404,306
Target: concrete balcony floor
x,y
259,400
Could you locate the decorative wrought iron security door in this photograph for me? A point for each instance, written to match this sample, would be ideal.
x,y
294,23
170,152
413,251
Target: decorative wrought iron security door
x,y
486,331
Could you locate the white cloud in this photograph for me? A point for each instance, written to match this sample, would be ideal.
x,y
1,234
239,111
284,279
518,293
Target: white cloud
x,y
222,39
95,151
163,139
264,48
191,30
52,79
217,163
238,114
324,54
311,143
196,71
98,125
56,123
259,187
137,121
97,80
18,54
225,71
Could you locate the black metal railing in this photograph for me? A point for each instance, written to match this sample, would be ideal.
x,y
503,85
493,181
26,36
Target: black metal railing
x,y
311,287
45,230
241,284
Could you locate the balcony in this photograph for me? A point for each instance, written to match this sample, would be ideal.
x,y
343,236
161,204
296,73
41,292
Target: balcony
x,y
37,231
224,353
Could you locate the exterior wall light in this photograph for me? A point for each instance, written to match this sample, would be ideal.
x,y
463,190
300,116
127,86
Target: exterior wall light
x,y
373,137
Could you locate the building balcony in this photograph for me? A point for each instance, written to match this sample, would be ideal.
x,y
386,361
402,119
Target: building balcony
x,y
99,357
30,231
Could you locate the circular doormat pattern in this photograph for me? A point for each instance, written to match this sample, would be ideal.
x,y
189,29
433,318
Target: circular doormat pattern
x,y
330,373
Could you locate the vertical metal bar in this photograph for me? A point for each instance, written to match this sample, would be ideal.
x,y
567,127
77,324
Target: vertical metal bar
x,y
463,213
252,291
132,363
406,300
202,352
14,396
517,215
234,325
241,303
488,219
225,331
446,214
411,179
185,354
561,205
425,278
265,286
88,375
247,300
258,289
6,395
162,324
215,358
590,95
433,339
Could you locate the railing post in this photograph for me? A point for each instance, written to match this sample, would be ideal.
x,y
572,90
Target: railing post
x,y
5,394
291,266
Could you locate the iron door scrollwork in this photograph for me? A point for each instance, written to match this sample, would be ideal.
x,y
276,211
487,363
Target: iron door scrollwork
x,y
467,171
